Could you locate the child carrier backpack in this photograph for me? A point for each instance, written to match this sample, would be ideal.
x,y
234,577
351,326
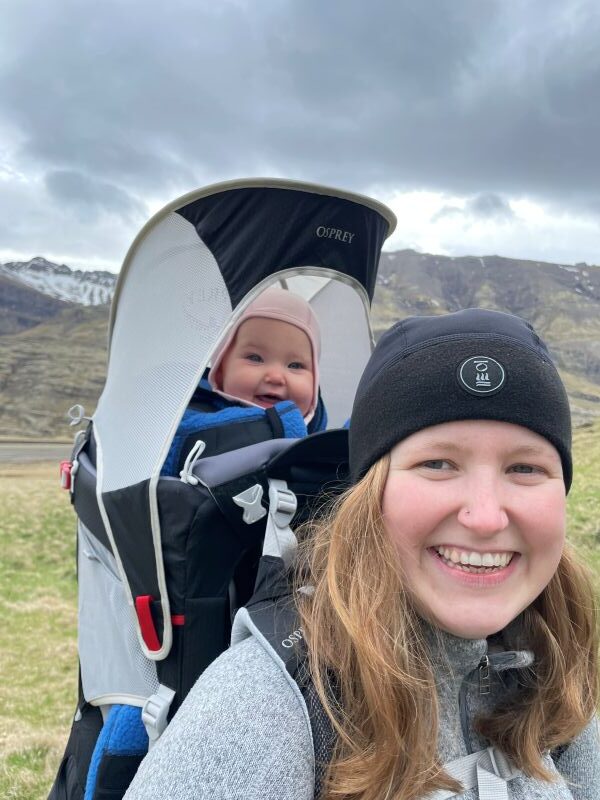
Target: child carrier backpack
x,y
173,519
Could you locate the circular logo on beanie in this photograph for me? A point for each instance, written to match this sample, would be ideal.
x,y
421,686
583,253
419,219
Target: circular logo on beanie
x,y
481,375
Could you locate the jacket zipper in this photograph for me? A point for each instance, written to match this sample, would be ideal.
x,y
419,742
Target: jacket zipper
x,y
484,681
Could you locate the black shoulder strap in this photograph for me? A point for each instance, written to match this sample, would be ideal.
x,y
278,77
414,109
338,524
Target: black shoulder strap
x,y
323,733
274,613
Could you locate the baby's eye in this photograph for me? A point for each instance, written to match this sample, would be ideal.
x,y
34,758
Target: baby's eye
x,y
254,357
436,463
296,365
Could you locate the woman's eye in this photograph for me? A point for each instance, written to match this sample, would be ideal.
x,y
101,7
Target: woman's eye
x,y
436,463
525,469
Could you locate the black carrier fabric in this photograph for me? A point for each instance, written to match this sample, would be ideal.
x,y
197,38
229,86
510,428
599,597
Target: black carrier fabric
x,y
72,772
207,550
276,226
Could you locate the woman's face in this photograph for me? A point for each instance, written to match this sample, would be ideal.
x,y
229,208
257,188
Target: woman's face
x,y
476,510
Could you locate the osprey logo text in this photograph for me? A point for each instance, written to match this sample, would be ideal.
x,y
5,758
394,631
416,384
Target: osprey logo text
x,y
335,233
480,375
295,636
249,500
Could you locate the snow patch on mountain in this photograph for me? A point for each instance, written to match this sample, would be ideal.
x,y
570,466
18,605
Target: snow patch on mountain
x,y
88,288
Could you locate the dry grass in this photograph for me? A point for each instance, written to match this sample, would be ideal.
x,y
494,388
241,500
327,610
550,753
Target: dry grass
x,y
38,651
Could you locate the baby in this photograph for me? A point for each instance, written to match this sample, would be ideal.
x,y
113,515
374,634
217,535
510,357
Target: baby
x,y
271,355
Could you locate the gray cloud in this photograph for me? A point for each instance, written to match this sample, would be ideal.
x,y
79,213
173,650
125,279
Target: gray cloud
x,y
447,212
489,206
89,195
137,100
33,222
483,206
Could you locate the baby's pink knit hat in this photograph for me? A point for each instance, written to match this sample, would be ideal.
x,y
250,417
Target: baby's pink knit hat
x,y
275,303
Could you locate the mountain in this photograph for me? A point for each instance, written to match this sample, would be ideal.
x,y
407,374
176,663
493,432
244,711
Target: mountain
x,y
429,284
561,301
22,307
88,288
53,332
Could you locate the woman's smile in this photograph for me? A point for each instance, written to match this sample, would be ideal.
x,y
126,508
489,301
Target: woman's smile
x,y
479,575
466,559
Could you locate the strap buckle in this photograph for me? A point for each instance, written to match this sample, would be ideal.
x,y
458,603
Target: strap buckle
x,y
282,503
155,712
280,540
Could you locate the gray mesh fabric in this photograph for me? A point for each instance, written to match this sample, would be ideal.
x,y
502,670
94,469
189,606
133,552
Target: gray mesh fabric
x,y
171,310
112,662
346,337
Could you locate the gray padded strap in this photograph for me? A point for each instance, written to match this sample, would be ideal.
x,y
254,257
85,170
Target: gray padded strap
x,y
487,770
226,467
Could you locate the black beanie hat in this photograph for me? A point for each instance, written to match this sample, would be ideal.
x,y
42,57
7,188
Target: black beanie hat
x,y
472,364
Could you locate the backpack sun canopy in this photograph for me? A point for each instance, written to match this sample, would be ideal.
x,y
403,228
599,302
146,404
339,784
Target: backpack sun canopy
x,y
187,277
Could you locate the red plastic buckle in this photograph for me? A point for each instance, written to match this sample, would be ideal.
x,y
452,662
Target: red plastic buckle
x,y
144,614
65,474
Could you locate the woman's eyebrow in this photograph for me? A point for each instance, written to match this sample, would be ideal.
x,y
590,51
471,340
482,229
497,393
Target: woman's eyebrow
x,y
439,444
445,446
532,450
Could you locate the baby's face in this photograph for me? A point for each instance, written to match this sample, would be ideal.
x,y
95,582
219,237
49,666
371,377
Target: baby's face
x,y
269,361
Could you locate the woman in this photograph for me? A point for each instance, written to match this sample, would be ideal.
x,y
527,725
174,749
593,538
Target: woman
x,y
452,637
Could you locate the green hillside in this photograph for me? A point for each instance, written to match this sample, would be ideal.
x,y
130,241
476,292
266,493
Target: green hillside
x,y
48,368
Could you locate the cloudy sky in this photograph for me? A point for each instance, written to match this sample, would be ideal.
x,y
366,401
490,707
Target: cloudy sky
x,y
477,121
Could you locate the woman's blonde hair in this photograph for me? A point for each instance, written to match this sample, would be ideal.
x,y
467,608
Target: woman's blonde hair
x,y
372,673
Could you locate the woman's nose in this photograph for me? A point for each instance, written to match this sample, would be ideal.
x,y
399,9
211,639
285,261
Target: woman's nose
x,y
483,511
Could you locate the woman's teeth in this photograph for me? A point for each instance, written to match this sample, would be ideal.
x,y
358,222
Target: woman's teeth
x,y
470,561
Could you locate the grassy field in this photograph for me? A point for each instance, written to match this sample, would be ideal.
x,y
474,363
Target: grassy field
x,y
38,653
584,497
38,650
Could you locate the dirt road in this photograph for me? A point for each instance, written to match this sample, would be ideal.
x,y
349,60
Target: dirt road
x,y
28,452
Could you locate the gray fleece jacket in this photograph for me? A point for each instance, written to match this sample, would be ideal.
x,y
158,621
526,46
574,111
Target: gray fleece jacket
x,y
243,731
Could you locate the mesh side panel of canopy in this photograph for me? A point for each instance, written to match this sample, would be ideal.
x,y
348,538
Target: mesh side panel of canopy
x,y
345,333
180,279
345,336
111,659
